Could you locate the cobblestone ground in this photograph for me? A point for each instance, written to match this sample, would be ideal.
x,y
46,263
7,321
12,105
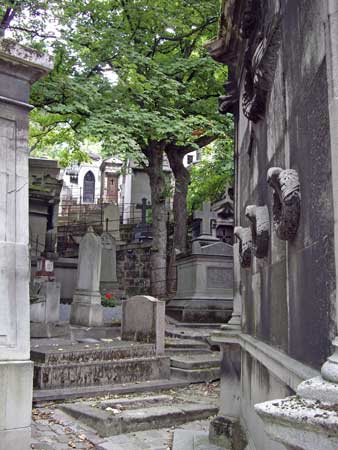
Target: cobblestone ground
x,y
54,430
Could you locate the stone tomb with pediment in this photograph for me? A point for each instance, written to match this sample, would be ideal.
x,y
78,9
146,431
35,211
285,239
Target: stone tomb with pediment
x,y
204,278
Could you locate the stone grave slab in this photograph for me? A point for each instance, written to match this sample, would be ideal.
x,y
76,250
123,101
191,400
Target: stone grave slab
x,y
111,418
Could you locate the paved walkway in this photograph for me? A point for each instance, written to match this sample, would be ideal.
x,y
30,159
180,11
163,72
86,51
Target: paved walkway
x,y
54,430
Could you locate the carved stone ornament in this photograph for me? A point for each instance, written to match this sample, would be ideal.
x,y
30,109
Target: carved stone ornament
x,y
227,103
245,246
260,229
260,63
286,201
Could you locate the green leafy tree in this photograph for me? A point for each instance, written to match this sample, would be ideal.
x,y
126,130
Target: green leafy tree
x,y
134,76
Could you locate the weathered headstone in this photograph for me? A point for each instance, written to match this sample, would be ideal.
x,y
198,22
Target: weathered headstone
x,y
108,278
86,307
19,68
111,220
143,320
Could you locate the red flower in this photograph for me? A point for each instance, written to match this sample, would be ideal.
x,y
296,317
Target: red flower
x,y
108,296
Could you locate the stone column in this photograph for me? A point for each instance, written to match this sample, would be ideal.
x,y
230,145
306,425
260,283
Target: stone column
x,y
86,307
19,68
225,428
330,368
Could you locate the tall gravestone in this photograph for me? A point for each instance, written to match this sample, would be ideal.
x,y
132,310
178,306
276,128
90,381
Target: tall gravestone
x,y
19,68
108,278
86,307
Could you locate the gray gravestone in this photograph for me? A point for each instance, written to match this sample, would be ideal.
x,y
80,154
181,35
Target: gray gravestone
x,y
86,307
111,220
108,261
143,320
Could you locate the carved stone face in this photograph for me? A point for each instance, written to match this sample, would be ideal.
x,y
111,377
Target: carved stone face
x,y
286,202
245,246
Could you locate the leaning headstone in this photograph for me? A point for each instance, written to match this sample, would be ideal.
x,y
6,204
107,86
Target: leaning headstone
x,y
86,307
108,277
111,220
143,320
19,68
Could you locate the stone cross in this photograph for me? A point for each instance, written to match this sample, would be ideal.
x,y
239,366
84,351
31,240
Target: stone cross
x,y
206,215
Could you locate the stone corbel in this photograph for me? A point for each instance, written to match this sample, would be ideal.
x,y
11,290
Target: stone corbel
x,y
286,201
245,246
260,229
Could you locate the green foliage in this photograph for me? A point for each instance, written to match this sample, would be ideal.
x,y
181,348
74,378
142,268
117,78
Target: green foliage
x,y
214,172
127,73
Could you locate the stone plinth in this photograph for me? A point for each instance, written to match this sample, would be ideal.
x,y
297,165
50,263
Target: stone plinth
x,y
19,68
86,307
300,424
143,320
204,283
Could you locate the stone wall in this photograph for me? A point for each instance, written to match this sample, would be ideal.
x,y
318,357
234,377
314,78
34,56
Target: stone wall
x,y
133,269
288,296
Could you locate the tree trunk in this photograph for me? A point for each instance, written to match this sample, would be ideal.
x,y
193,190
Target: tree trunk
x,y
182,180
154,154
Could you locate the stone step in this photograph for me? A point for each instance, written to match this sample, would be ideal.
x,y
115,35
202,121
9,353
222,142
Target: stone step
x,y
47,376
196,375
193,440
90,352
189,333
40,396
111,420
186,344
179,324
196,360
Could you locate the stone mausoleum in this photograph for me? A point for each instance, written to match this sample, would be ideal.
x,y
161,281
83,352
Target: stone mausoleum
x,y
283,94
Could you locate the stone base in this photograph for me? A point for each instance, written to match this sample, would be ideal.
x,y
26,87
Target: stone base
x,y
49,330
198,315
16,404
300,424
17,439
227,432
86,309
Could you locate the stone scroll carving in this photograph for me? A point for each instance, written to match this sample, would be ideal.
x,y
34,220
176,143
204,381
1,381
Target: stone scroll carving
x,y
245,246
260,229
286,201
260,63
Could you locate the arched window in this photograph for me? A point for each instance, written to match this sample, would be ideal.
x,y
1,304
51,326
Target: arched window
x,y
89,188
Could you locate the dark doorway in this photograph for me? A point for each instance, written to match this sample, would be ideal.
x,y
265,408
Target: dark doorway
x,y
89,188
